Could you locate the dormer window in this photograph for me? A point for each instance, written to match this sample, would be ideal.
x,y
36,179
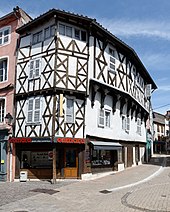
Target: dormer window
x,y
4,35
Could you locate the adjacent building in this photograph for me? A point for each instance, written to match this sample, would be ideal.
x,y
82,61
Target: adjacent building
x,y
82,99
8,44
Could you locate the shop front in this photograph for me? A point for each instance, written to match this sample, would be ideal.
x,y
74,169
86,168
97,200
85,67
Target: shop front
x,y
105,156
35,156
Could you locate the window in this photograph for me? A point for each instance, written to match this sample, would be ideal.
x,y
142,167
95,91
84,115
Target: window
x,y
125,123
112,60
2,110
70,110
101,118
139,126
3,70
72,32
80,35
37,37
104,118
49,32
34,110
4,35
35,68
101,158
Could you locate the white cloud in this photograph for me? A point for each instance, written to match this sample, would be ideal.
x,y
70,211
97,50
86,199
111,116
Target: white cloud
x,y
164,88
129,28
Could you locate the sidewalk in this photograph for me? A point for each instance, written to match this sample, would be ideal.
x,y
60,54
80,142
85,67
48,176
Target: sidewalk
x,y
84,195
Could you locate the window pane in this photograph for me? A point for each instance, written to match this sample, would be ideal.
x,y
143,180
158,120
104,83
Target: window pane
x,y
107,118
77,33
52,30
61,29
37,116
70,111
6,32
30,104
30,113
3,70
47,33
83,36
37,103
68,31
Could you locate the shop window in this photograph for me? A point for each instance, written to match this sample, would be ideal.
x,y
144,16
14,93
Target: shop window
x,y
3,69
5,35
2,110
34,68
37,159
69,110
101,157
34,110
37,37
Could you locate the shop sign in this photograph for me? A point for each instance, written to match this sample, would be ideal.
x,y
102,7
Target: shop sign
x,y
20,140
71,140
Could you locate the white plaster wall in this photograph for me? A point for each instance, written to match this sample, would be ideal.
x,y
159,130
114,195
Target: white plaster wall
x,y
115,131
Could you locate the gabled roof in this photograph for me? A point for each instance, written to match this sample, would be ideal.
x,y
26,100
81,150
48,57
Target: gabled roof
x,y
91,23
14,15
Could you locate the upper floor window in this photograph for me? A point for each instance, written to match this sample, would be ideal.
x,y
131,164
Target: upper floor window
x,y
4,35
3,69
125,123
139,123
72,32
2,110
69,110
35,68
34,110
49,32
37,37
112,60
104,118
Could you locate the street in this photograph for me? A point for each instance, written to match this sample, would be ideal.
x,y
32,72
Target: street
x,y
141,188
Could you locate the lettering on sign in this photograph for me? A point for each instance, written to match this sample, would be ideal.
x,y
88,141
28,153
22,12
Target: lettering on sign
x,y
71,140
20,140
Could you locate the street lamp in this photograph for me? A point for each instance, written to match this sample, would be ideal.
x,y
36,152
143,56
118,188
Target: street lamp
x,y
8,119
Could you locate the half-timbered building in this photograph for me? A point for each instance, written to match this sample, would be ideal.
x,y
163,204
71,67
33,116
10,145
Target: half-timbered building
x,y
81,102
8,43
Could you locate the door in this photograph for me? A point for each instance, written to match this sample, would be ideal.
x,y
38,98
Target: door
x,y
129,156
70,163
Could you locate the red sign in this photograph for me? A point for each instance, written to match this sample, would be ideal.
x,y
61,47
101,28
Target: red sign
x,y
71,140
20,140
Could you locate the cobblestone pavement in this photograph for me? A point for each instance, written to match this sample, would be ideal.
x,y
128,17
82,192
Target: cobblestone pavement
x,y
152,195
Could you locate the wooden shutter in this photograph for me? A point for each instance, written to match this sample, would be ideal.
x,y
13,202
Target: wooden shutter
x,y
37,109
31,70
30,110
37,68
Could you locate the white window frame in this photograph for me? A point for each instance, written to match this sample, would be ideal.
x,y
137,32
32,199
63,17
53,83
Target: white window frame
x,y
34,110
102,122
67,112
33,69
125,123
2,110
79,36
112,61
5,71
139,126
2,30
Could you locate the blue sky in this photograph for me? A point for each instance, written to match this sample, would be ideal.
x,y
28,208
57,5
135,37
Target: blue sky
x,y
142,24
